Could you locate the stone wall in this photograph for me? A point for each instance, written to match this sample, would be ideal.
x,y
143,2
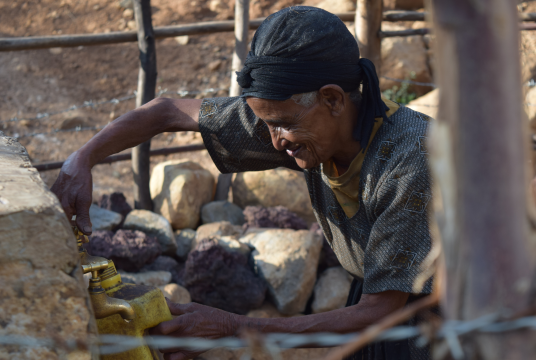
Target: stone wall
x,y
42,293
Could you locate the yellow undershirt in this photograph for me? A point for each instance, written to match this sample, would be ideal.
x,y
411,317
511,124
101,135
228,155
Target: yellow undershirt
x,y
346,186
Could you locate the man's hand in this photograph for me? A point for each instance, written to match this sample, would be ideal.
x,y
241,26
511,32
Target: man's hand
x,y
74,187
74,184
195,320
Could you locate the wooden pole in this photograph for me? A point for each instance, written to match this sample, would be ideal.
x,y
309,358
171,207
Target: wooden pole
x,y
128,156
146,92
368,23
241,29
208,27
478,159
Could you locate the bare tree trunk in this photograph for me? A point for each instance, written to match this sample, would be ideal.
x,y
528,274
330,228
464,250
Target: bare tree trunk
x,y
146,92
478,159
368,24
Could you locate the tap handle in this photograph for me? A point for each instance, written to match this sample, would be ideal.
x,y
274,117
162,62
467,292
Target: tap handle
x,y
80,237
94,267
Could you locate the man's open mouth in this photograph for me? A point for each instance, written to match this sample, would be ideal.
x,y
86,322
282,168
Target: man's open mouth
x,y
294,150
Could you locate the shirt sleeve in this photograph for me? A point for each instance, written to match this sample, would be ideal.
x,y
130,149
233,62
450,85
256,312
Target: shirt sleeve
x,y
236,139
400,237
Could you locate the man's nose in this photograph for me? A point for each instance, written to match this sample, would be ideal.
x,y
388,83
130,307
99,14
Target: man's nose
x,y
279,142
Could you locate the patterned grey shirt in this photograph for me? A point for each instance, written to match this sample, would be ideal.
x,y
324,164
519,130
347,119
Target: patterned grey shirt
x,y
386,241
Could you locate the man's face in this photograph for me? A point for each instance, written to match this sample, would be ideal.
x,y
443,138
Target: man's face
x,y
309,135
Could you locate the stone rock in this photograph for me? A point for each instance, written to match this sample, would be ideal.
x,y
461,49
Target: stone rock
x,y
184,239
274,188
129,250
176,293
179,188
273,217
74,122
402,57
214,65
128,14
427,104
222,211
103,219
230,243
115,202
154,225
152,278
166,263
182,40
57,51
331,290
287,260
217,229
222,279
42,289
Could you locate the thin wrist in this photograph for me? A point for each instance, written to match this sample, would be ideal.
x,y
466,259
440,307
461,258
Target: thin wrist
x,y
237,323
86,157
78,158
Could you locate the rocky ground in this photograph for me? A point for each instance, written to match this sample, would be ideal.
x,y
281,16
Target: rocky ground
x,y
245,257
218,250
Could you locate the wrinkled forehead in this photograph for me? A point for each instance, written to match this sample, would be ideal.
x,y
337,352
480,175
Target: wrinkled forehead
x,y
274,109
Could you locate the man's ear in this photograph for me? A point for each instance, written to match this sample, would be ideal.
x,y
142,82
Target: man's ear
x,y
333,97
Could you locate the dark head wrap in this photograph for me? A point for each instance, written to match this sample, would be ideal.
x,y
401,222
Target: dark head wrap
x,y
300,49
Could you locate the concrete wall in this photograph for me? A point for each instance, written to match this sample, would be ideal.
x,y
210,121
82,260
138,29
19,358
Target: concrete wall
x,y
42,293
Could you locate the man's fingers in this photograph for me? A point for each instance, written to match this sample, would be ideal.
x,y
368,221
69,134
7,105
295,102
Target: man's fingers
x,y
177,356
168,327
174,308
82,215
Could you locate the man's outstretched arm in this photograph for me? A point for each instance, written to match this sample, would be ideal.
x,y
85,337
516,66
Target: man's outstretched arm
x,y
74,185
197,320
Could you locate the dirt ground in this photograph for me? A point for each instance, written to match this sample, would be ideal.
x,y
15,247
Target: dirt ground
x,y
49,80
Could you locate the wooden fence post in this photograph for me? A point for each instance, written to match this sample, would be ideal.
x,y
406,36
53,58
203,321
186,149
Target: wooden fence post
x,y
239,58
146,92
368,24
478,159
241,43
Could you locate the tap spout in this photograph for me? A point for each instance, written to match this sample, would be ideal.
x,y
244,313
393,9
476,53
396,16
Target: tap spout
x,y
105,306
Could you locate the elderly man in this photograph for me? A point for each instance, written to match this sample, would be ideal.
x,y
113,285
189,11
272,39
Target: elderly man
x,y
310,104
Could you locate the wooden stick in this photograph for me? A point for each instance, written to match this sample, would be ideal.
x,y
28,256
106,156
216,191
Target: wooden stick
x,y
239,58
146,92
368,21
407,32
396,15
241,43
200,28
123,157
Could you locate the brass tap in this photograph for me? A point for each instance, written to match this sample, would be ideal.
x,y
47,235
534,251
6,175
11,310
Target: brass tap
x,y
105,306
85,258
109,277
